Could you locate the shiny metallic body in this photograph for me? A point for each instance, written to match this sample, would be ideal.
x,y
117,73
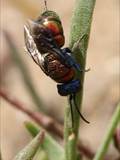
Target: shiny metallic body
x,y
43,39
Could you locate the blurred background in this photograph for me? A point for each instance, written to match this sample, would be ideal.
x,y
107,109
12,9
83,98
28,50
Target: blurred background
x,y
101,88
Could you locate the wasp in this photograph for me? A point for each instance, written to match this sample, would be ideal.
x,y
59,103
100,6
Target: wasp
x,y
44,39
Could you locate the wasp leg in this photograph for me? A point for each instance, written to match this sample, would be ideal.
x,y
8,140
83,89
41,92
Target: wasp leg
x,y
49,44
70,101
63,54
78,45
70,61
74,100
86,70
79,42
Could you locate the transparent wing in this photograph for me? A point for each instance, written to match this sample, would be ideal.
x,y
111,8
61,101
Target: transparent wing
x,y
38,38
44,39
31,47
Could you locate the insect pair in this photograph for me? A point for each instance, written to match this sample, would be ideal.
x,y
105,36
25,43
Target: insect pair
x,y
44,38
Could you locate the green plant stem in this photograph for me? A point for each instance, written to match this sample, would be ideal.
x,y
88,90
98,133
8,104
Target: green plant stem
x,y
109,134
0,156
25,73
80,29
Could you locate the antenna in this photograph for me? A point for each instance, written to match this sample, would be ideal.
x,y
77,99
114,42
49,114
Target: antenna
x,y
45,2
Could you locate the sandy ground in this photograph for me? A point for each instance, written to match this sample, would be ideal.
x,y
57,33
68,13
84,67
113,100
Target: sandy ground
x,y
101,89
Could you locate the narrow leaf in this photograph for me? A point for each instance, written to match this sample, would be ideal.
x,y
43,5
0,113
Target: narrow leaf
x,y
24,71
109,134
50,146
40,155
29,151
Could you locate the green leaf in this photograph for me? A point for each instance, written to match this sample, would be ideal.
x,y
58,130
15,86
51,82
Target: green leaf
x,y
40,155
109,134
50,146
29,151
15,54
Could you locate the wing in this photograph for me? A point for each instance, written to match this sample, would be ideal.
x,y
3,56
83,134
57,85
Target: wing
x,y
44,39
40,39
32,49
